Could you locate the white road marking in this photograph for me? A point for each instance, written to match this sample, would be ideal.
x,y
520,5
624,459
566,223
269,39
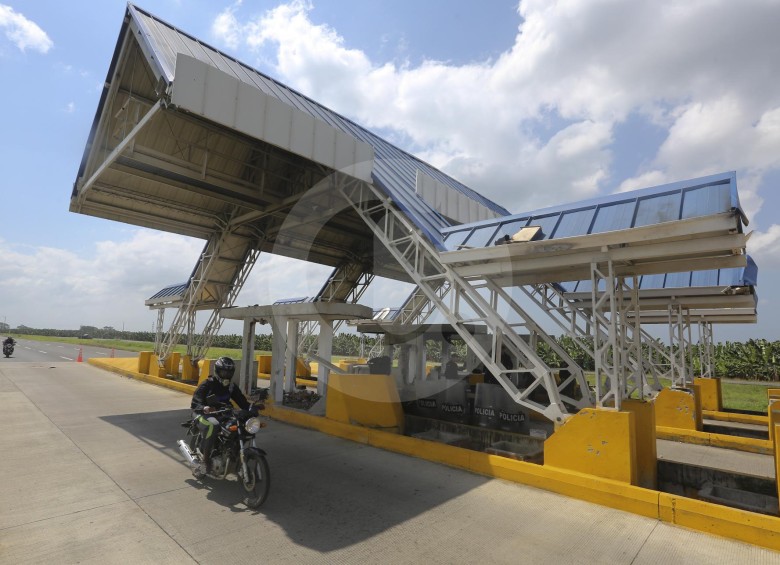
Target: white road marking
x,y
67,358
44,352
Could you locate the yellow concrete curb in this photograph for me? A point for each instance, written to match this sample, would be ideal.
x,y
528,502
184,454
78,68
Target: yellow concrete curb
x,y
737,418
750,527
751,445
116,366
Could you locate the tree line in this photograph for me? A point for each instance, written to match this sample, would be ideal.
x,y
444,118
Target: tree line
x,y
755,359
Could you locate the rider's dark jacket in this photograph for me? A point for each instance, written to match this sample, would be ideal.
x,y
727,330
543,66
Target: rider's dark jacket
x,y
222,395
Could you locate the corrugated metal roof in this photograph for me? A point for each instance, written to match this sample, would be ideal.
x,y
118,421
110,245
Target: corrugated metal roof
x,y
394,171
677,201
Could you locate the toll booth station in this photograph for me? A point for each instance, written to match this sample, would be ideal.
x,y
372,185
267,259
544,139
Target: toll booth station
x,y
189,140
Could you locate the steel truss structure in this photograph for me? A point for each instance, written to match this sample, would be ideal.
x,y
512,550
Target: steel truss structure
x,y
706,349
206,291
472,300
347,284
576,320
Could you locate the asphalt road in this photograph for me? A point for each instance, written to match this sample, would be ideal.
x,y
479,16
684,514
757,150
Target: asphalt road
x,y
91,474
53,351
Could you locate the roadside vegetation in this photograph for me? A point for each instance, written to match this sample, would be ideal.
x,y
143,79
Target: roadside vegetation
x,y
747,368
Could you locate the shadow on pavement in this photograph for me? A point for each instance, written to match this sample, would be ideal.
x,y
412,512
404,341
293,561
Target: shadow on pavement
x,y
327,493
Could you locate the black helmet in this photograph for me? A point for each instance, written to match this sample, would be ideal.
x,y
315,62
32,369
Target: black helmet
x,y
224,368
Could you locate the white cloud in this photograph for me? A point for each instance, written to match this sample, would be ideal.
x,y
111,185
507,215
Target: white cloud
x,y
704,71
106,286
23,33
764,247
70,107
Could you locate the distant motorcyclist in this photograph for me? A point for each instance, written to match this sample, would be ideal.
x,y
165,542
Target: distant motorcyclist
x,y
9,341
213,393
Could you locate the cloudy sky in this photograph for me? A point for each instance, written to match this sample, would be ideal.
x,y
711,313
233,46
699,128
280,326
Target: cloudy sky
x,y
532,104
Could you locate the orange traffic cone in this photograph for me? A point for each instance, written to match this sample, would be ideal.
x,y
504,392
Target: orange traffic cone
x,y
112,352
80,358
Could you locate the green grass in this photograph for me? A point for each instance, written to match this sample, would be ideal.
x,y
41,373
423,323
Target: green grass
x,y
744,396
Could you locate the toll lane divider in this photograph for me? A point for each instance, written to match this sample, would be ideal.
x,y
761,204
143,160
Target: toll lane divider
x,y
736,417
749,527
751,445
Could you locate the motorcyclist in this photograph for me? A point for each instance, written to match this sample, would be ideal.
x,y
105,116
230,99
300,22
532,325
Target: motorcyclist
x,y
9,341
213,393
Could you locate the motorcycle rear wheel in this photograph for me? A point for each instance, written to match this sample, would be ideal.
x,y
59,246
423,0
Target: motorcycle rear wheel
x,y
257,483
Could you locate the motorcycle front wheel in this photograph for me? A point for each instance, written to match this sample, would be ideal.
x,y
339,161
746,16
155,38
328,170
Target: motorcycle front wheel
x,y
257,481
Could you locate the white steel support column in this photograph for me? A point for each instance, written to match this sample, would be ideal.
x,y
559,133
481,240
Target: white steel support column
x,y
278,346
706,347
158,335
325,351
248,378
291,355
629,336
608,353
677,346
575,319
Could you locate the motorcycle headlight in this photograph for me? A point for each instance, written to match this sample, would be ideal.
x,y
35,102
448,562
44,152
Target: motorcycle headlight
x,y
253,425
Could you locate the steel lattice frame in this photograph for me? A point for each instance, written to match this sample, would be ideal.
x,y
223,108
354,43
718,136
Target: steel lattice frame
x,y
350,280
185,315
706,349
465,303
576,321
679,344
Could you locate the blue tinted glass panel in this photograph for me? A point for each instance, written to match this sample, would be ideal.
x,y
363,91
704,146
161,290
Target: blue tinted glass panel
x,y
455,239
652,281
547,223
678,280
482,237
614,217
706,200
658,209
729,277
510,228
705,278
574,223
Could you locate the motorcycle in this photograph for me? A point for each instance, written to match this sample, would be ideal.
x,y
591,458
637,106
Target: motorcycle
x,y
8,348
233,453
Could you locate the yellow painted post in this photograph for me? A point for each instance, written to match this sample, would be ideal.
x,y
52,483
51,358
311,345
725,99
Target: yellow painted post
x,y
596,442
772,393
204,369
775,431
711,394
301,368
645,439
697,407
773,411
676,408
189,371
154,367
366,400
143,362
264,364
172,364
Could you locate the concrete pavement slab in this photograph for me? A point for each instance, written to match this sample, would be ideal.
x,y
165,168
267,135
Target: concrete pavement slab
x,y
117,533
331,500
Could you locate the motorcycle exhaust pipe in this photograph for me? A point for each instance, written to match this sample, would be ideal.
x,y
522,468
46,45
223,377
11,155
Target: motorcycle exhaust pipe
x,y
185,451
